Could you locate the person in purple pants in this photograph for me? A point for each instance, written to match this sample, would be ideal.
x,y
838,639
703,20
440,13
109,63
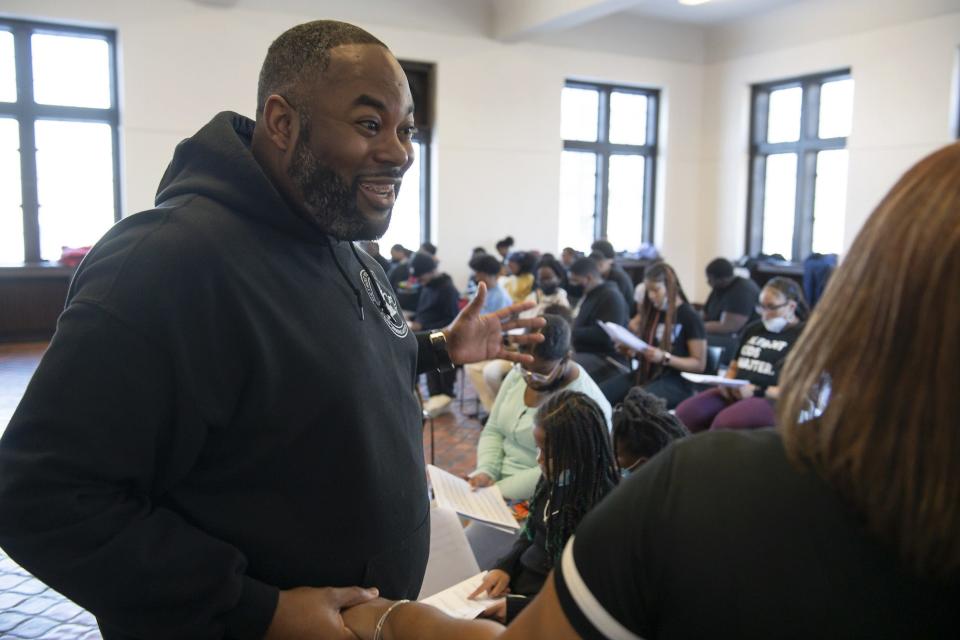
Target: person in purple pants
x,y
760,356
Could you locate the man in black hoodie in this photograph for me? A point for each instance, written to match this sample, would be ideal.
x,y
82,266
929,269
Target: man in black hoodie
x,y
437,307
222,439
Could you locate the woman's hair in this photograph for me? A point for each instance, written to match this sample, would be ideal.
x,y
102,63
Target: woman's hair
x,y
642,425
485,263
559,310
525,260
549,262
506,242
556,339
790,289
579,465
885,340
650,316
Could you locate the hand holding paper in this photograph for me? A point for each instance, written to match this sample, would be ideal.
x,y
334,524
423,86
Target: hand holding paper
x,y
623,336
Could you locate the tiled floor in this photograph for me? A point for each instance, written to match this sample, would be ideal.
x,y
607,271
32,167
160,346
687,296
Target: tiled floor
x,y
29,610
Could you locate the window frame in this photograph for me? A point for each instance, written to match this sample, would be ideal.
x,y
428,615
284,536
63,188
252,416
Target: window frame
x,y
27,112
603,149
807,146
421,77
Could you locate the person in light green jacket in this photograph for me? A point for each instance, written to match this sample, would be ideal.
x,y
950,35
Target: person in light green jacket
x,y
507,453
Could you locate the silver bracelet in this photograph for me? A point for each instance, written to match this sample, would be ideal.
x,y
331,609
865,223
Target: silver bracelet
x,y
378,632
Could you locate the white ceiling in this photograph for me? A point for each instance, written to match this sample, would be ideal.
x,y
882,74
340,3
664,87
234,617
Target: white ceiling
x,y
717,30
713,12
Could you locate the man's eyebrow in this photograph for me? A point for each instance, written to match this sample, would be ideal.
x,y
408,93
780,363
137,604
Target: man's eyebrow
x,y
365,100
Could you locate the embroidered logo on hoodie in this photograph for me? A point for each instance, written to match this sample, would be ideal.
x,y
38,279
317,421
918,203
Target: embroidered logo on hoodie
x,y
393,317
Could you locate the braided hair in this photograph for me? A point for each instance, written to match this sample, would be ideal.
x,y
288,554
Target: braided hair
x,y
642,426
579,467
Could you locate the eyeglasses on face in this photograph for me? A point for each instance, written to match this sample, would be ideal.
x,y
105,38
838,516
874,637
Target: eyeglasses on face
x,y
760,308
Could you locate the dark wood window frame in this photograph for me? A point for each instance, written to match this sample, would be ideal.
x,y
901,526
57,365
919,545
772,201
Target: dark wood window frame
x,y
27,112
421,77
603,149
806,147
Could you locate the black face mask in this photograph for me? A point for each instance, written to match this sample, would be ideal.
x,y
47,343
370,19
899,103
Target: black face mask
x,y
549,289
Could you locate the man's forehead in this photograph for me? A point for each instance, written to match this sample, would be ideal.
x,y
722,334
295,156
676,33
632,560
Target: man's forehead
x,y
364,69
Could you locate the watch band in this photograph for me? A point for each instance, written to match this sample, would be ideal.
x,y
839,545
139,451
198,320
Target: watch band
x,y
438,343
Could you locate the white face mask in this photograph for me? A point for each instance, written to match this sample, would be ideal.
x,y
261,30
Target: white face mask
x,y
775,325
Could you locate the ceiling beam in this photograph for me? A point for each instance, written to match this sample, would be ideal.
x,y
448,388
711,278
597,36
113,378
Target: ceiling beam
x,y
514,19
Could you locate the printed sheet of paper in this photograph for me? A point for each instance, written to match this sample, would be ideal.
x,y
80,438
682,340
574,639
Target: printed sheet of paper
x,y
699,378
484,505
455,601
622,335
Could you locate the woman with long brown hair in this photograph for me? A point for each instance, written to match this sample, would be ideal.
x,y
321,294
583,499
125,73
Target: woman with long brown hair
x,y
668,323
845,523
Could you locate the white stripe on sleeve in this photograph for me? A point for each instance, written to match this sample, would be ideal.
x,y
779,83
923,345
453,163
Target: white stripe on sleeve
x,y
589,606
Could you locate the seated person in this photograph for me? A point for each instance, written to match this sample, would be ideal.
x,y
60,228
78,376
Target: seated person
x,y
373,250
763,349
486,376
602,251
728,307
601,301
507,452
399,271
486,269
519,284
436,308
674,331
642,426
578,470
548,289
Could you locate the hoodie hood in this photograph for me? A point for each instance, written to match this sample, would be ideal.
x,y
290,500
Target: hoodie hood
x,y
217,163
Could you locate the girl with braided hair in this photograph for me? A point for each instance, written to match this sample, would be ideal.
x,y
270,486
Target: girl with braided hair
x,y
642,426
579,469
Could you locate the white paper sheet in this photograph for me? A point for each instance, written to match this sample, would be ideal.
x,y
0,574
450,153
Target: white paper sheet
x,y
622,335
484,505
699,378
451,559
455,601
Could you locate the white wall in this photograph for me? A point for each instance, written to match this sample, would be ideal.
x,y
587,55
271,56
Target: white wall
x,y
497,145
904,84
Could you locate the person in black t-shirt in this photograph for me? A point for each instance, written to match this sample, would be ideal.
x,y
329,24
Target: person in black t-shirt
x,y
729,307
578,471
763,349
604,254
674,331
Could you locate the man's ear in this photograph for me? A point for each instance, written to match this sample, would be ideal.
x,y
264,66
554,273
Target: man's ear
x,y
281,123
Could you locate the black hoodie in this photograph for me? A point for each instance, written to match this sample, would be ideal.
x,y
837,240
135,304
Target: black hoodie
x,y
226,409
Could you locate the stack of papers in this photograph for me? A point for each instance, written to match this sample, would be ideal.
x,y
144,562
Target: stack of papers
x,y
483,505
699,378
622,335
455,601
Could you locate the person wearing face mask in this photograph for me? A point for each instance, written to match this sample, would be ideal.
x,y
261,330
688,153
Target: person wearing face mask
x,y
507,452
760,356
642,426
549,287
675,335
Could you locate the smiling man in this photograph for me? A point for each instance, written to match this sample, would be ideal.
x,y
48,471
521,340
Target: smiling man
x,y
222,439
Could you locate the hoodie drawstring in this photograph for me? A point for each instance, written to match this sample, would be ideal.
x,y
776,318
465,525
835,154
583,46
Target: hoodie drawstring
x,y
346,278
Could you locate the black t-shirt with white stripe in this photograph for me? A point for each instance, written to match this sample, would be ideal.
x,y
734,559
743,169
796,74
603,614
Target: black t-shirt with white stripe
x,y
720,536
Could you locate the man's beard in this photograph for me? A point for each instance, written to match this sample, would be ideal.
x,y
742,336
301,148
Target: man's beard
x,y
330,203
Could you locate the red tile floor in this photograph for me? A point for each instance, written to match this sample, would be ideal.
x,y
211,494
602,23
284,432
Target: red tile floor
x,y
29,610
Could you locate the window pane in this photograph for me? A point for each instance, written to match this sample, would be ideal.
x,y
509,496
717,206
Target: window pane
x,y
405,220
11,215
779,204
74,184
578,114
628,118
783,123
830,200
578,187
71,70
625,204
836,108
8,74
